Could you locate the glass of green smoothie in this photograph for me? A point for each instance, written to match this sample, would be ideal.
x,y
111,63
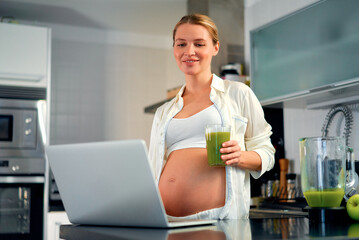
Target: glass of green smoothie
x,y
216,134
322,163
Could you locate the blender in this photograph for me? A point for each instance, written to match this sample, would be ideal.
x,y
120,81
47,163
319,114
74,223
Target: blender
x,y
323,171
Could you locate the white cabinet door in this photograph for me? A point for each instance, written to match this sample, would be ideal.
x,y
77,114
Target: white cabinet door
x,y
24,55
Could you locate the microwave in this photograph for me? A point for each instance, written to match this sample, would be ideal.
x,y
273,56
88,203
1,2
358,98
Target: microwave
x,y
21,137
18,128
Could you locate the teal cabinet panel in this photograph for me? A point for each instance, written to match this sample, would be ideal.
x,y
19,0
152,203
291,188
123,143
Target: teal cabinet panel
x,y
313,48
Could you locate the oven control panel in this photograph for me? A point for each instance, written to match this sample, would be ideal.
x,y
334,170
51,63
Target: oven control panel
x,y
28,138
16,166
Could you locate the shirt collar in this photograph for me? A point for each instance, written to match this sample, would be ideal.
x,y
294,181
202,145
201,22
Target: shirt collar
x,y
180,92
217,83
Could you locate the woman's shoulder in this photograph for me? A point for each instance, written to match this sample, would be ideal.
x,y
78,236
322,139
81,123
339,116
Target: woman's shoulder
x,y
230,84
236,88
236,84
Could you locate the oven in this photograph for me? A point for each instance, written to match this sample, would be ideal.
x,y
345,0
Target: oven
x,y
21,207
22,169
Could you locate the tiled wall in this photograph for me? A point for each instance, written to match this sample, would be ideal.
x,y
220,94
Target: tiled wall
x,y
100,89
77,92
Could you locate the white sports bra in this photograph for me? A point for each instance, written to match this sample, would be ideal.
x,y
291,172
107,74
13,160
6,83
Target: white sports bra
x,y
190,132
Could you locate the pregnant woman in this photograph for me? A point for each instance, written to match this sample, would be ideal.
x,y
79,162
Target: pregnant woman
x,y
189,187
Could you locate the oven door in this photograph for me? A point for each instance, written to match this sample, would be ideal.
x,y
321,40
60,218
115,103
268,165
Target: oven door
x,y
21,207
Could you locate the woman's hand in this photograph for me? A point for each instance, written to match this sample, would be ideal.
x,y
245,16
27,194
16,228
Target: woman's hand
x,y
231,153
234,156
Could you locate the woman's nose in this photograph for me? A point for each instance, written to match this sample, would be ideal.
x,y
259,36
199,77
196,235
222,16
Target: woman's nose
x,y
190,50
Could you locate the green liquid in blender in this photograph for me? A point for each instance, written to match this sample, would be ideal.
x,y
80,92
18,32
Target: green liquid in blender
x,y
325,198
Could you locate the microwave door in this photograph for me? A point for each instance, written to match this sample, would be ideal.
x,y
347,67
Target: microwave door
x,y
6,128
17,129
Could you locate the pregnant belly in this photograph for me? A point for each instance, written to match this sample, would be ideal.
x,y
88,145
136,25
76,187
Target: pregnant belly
x,y
188,185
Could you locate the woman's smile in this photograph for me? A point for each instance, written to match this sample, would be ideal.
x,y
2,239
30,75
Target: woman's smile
x,y
190,62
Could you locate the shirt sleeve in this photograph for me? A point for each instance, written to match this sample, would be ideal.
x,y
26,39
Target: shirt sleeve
x,y
258,132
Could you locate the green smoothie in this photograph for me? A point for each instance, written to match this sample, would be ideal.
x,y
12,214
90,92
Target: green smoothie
x,y
214,143
325,198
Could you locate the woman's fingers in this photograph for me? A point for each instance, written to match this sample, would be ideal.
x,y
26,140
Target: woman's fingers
x,y
230,147
231,152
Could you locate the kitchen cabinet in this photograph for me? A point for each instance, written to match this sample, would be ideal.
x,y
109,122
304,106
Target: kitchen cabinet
x,y
308,53
25,55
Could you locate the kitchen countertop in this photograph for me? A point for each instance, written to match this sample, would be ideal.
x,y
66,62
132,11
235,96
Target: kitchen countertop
x,y
288,227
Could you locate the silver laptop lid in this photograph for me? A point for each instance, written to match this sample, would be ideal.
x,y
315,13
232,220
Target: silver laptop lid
x,y
107,183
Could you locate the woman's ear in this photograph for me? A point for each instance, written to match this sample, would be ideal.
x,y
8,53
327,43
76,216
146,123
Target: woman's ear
x,y
216,49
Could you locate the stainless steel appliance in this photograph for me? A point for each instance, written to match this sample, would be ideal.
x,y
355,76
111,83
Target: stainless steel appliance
x,y
22,169
21,207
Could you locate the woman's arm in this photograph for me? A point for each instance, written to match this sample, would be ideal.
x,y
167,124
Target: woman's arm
x,y
258,155
243,159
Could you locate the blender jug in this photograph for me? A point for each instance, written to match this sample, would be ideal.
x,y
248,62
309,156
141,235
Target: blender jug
x,y
322,163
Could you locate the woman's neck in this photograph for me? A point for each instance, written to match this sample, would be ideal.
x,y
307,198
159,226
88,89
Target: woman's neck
x,y
199,82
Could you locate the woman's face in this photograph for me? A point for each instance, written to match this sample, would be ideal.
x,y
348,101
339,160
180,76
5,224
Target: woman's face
x,y
193,49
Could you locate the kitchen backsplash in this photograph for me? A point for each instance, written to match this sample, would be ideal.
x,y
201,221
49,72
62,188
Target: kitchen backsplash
x,y
300,123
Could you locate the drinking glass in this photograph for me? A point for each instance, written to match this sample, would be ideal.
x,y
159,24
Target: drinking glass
x,y
216,135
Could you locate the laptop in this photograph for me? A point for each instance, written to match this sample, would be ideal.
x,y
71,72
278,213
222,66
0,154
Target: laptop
x,y
110,184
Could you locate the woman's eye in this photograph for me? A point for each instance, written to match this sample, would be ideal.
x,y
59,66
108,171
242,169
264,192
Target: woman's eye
x,y
181,45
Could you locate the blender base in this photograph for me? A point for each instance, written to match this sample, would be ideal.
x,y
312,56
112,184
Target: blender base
x,y
322,215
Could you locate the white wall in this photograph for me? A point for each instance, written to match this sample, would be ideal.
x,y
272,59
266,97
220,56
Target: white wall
x,y
298,122
102,80
137,77
77,92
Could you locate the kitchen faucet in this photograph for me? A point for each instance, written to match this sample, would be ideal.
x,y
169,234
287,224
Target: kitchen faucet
x,y
351,176
348,117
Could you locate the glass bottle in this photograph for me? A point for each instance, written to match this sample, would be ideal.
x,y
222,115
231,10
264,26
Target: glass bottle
x,y
276,185
291,185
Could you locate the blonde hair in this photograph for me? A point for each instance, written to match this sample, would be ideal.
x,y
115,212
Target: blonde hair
x,y
199,19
